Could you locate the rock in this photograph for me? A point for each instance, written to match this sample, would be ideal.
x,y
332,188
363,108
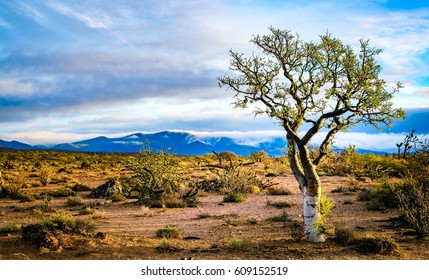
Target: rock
x,y
40,235
107,189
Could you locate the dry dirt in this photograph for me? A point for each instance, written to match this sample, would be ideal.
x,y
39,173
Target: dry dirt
x,y
207,229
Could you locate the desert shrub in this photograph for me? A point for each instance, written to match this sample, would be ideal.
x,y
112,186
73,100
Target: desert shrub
x,y
174,202
14,192
74,201
375,245
413,199
382,197
234,197
157,175
9,165
165,246
63,192
85,164
234,244
203,215
278,190
259,156
280,204
68,223
10,229
45,176
283,217
80,188
86,211
169,232
297,231
117,197
349,162
345,236
232,176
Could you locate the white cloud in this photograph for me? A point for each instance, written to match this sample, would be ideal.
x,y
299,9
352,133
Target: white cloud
x,y
14,86
92,17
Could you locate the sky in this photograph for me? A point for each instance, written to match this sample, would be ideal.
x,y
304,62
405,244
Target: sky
x,y
72,70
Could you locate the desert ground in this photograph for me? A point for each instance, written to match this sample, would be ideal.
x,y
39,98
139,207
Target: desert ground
x,y
263,226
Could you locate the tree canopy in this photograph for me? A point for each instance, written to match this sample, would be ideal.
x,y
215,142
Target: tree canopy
x,y
325,84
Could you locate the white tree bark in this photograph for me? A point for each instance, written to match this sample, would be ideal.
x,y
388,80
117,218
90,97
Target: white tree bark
x,y
311,217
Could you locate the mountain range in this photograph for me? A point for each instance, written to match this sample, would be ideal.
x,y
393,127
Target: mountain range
x,y
175,142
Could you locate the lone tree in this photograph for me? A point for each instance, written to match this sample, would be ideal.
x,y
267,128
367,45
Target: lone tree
x,y
307,87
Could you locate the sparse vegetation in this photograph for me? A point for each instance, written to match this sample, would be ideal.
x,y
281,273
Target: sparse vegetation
x,y
74,201
169,232
69,231
63,192
345,236
412,197
375,245
68,223
10,229
280,204
45,176
234,197
234,244
117,197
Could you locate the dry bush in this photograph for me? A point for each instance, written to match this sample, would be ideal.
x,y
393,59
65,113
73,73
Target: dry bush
x,y
376,245
45,176
413,198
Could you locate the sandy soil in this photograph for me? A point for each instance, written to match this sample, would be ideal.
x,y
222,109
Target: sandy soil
x,y
208,228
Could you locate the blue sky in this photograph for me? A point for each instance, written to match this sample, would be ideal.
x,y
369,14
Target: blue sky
x,y
71,70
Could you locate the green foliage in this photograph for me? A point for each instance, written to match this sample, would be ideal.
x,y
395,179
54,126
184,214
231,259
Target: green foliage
x,y
8,165
63,192
382,198
68,223
14,192
259,156
85,164
326,205
363,165
169,232
234,197
117,197
10,229
375,245
233,176
413,198
156,175
45,176
86,211
234,244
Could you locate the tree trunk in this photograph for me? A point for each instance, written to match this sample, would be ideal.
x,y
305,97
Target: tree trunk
x,y
311,215
310,186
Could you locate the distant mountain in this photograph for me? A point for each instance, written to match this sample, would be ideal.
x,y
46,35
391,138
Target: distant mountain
x,y
176,142
15,145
